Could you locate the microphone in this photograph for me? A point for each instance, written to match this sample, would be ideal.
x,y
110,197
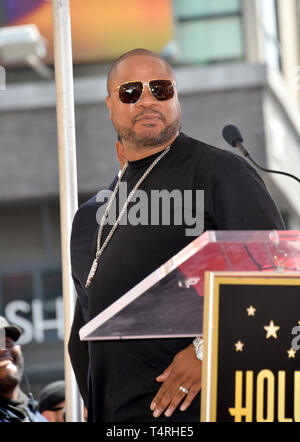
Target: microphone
x,y
232,136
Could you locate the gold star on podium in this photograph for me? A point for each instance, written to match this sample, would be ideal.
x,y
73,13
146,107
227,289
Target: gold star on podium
x,y
251,310
291,352
271,330
239,346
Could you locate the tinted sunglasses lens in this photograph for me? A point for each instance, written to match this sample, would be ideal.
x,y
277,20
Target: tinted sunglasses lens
x,y
162,89
130,92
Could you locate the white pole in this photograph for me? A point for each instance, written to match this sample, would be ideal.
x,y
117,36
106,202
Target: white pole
x,y
67,182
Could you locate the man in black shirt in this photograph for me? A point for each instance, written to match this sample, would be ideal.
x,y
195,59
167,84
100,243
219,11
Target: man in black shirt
x,y
144,380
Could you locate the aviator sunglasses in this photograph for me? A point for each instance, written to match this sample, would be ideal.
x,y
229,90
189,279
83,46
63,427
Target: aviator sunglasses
x,y
132,91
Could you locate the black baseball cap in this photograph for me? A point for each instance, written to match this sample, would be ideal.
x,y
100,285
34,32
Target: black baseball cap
x,y
51,395
12,331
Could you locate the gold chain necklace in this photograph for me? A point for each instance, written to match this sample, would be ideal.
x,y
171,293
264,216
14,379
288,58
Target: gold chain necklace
x,y
100,248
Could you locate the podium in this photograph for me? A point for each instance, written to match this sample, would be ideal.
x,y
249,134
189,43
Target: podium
x,y
237,271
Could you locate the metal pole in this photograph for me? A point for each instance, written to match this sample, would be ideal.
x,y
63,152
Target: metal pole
x,y
67,182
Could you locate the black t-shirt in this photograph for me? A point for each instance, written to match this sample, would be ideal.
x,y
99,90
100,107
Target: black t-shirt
x,y
235,198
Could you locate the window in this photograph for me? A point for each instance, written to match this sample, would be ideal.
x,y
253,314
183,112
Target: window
x,y
208,31
33,301
18,287
52,306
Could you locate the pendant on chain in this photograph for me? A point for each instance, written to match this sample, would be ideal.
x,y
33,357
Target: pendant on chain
x,y
91,273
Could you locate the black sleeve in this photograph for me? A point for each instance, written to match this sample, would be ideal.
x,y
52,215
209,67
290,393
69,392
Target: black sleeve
x,y
78,351
84,229
242,202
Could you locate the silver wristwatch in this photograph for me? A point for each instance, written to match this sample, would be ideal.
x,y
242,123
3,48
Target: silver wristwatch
x,y
198,344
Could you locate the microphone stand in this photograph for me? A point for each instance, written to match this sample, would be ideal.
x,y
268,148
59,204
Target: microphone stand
x,y
245,152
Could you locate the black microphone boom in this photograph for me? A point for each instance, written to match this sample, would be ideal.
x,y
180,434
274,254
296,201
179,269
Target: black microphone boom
x,y
232,136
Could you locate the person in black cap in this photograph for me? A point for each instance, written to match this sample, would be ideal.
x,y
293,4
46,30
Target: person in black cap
x,y
52,402
15,406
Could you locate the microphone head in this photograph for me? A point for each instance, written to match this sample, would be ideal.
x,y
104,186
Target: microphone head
x,y
232,135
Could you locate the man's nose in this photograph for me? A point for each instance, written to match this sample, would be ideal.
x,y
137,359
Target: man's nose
x,y
147,96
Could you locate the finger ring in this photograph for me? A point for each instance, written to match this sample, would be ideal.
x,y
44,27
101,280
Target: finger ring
x,y
185,390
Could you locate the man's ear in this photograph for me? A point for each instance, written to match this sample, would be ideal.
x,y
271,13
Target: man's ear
x,y
108,104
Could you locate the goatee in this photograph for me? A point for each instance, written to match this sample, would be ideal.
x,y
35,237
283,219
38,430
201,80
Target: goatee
x,y
149,139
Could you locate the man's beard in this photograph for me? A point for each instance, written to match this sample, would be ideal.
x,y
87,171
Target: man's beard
x,y
148,139
8,383
11,380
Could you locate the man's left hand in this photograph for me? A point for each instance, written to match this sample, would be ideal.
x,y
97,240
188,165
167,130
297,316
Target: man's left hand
x,y
185,370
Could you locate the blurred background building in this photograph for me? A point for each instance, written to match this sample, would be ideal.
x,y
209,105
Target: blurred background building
x,y
236,62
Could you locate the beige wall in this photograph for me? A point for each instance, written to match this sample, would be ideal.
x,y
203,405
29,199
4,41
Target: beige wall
x,y
289,26
289,23
252,34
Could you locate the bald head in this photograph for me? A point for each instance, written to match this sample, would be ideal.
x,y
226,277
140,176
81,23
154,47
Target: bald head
x,y
133,53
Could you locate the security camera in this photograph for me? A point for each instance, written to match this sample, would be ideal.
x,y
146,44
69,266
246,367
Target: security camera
x,y
24,45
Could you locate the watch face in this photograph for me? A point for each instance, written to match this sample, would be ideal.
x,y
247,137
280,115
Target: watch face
x,y
198,344
200,352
